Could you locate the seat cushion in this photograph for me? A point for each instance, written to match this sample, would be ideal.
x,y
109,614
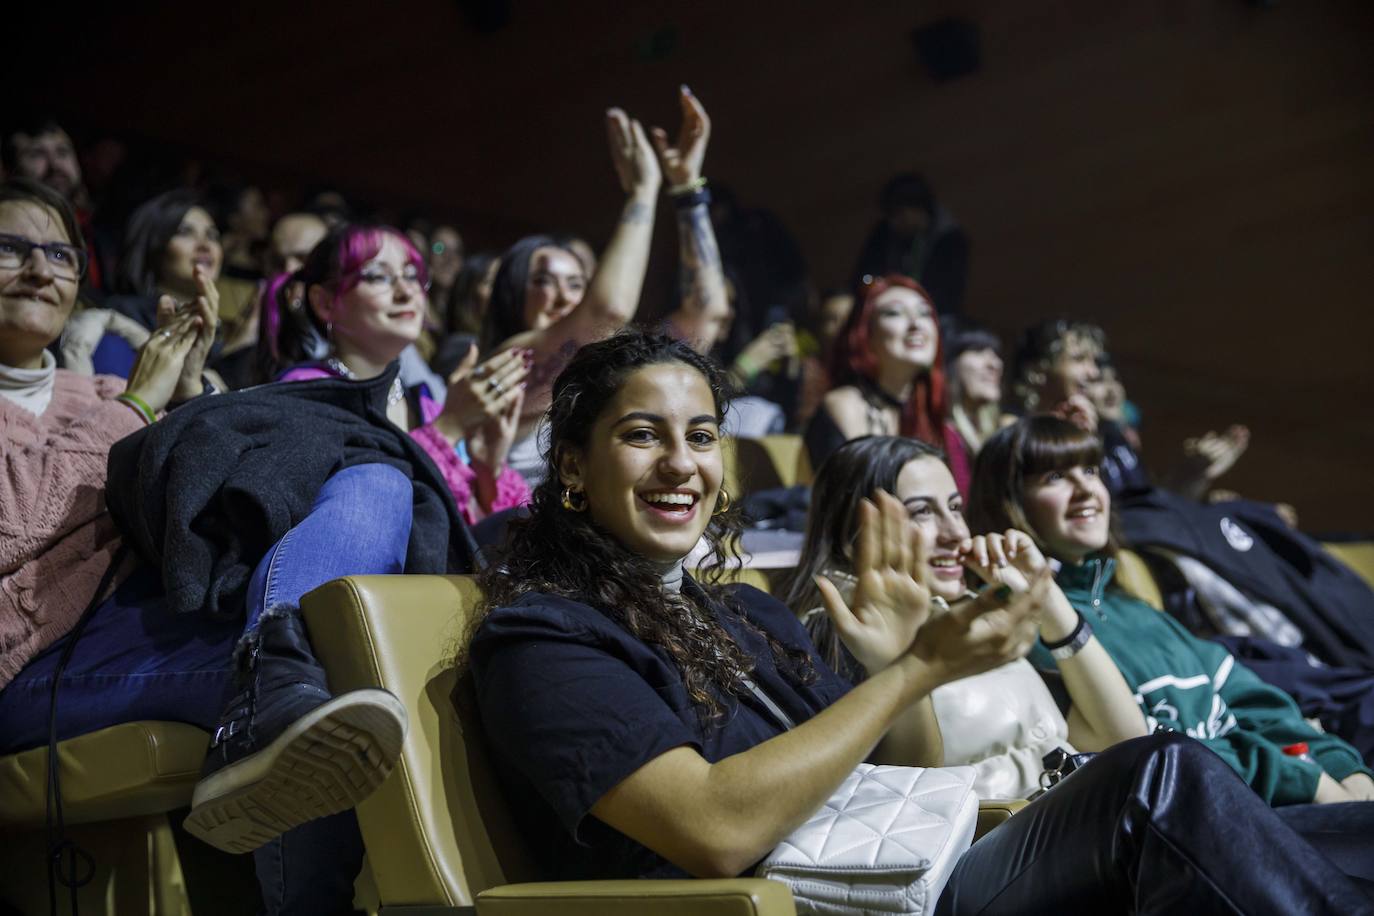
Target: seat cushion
x,y
127,770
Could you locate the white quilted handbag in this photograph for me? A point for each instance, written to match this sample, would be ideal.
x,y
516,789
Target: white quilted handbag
x,y
885,842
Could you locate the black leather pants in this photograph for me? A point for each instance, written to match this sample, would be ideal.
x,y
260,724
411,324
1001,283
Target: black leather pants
x,y
1163,825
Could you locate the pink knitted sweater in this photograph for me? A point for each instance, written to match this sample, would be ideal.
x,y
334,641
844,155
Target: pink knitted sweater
x,y
56,536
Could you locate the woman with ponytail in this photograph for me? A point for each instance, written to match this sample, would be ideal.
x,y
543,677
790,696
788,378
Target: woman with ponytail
x,y
356,303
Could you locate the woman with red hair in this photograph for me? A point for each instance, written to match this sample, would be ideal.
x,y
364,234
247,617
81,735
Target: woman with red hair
x,y
889,378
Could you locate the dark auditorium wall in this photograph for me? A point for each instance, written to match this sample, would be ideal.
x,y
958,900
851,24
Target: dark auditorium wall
x,y
1196,176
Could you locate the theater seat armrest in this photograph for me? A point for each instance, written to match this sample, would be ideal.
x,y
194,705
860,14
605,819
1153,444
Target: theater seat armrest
x,y
727,897
993,811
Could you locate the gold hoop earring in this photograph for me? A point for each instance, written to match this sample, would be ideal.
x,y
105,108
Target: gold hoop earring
x,y
568,494
723,503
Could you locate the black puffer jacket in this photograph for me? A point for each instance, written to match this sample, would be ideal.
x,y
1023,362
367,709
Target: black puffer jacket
x,y
1250,546
204,493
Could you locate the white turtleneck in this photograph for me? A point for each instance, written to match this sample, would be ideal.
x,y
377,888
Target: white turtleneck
x,y
31,389
672,577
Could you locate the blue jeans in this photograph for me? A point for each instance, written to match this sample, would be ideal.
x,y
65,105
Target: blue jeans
x,y
138,661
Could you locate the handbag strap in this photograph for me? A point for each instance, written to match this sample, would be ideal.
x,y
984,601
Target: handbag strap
x,y
774,709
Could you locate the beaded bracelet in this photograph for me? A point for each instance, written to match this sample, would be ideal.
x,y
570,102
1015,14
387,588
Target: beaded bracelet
x,y
687,187
138,406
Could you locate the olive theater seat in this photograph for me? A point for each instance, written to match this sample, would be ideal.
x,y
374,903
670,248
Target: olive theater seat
x,y
437,832
1358,555
127,770
742,575
1135,578
771,461
117,785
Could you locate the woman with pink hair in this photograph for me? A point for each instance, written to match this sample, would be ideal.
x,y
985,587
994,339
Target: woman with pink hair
x,y
356,303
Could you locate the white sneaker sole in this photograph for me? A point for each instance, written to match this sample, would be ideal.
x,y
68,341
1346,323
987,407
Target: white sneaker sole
x,y
325,762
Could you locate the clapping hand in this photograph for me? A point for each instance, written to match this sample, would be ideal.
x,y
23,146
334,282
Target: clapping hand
x,y
1013,559
633,157
890,601
490,443
682,163
1213,454
1010,559
204,309
158,368
484,393
983,633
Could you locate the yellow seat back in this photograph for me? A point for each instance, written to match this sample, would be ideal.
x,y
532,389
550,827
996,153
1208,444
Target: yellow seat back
x,y
447,833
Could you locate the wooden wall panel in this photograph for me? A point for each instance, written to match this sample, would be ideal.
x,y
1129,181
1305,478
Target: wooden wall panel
x,y
1196,176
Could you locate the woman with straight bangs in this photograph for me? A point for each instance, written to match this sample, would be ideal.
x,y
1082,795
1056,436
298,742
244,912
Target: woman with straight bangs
x,y
973,363
1001,722
639,720
1042,475
357,302
889,372
543,300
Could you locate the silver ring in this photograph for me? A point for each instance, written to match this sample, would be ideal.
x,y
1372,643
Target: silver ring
x,y
497,387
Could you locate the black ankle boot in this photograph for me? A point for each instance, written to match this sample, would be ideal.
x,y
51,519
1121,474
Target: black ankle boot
x,y
286,751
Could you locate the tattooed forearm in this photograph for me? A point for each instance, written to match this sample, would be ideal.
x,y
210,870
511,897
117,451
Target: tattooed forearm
x,y
543,372
702,282
687,282
698,238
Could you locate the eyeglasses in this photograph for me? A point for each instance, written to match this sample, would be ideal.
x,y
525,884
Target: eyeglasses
x,y
380,279
66,261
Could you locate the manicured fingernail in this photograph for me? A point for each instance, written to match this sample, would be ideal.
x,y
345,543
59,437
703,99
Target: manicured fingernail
x,y
686,90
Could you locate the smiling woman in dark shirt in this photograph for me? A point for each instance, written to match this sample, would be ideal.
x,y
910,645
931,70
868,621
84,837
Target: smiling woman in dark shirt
x,y
628,706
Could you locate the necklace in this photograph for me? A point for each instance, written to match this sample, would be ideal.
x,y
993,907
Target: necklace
x,y
393,397
876,400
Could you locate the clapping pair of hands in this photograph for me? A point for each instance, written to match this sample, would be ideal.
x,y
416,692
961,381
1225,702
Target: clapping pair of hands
x,y
484,403
644,160
171,359
890,611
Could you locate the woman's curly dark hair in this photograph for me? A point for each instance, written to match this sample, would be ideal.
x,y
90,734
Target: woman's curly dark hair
x,y
564,553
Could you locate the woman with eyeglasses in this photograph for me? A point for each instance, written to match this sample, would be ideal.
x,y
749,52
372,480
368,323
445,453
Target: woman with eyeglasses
x,y
359,300
56,537
88,634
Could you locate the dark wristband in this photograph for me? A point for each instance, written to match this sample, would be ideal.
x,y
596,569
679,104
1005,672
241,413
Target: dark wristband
x,y
1070,645
692,199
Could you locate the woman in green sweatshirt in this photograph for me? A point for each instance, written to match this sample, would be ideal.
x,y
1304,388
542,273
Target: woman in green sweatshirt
x,y
1041,475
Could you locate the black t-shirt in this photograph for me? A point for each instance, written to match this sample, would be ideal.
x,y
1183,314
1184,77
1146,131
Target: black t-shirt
x,y
571,704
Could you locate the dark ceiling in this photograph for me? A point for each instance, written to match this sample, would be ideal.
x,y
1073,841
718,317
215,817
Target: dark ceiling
x,y
1196,176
